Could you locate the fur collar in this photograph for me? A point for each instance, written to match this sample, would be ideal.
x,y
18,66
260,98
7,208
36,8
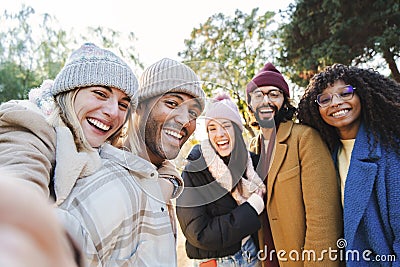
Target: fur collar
x,y
222,174
71,164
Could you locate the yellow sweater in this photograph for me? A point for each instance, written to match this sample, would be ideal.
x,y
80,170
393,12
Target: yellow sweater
x,y
344,156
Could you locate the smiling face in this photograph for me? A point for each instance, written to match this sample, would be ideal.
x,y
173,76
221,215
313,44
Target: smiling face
x,y
344,115
269,101
101,112
169,120
221,135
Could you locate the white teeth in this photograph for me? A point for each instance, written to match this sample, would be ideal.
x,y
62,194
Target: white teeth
x,y
266,110
99,124
340,113
222,142
174,134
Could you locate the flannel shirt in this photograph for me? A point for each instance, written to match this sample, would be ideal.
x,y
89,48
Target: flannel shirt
x,y
118,215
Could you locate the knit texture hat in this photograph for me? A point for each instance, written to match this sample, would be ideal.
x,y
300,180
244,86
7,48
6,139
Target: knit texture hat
x,y
222,107
268,75
168,75
92,66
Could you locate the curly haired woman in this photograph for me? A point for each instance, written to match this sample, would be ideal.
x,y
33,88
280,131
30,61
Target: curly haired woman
x,y
357,112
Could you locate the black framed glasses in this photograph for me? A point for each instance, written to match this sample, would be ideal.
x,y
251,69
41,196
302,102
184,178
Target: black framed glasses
x,y
273,95
344,93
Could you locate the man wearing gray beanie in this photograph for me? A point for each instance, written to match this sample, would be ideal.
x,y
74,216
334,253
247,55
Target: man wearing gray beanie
x,y
170,100
167,76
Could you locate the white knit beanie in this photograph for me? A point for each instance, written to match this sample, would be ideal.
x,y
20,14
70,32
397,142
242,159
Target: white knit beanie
x,y
168,75
92,66
222,107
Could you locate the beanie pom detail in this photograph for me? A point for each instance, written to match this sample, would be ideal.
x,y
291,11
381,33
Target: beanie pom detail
x,y
222,107
222,96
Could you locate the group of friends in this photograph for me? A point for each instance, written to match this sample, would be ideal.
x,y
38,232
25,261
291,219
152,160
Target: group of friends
x,y
88,179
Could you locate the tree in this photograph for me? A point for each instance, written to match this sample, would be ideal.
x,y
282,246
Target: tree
x,y
27,57
120,44
32,51
321,33
227,52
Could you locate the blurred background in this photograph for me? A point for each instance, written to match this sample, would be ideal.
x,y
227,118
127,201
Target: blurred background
x,y
225,42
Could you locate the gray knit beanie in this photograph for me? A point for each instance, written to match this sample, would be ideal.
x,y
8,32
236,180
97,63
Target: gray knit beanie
x,y
93,66
168,75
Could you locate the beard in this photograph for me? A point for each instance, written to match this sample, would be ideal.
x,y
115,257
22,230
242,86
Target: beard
x,y
265,123
155,142
270,122
152,140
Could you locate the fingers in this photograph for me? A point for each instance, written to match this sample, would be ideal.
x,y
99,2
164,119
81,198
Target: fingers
x,y
30,234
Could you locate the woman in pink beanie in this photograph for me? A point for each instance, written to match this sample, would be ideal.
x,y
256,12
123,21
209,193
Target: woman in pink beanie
x,y
223,196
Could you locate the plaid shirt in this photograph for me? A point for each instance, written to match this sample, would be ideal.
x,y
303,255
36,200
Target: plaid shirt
x,y
117,215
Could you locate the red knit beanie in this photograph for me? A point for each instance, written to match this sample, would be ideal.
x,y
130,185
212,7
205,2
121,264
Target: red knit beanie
x,y
268,75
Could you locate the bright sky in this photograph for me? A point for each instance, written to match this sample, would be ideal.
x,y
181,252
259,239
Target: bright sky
x,y
160,26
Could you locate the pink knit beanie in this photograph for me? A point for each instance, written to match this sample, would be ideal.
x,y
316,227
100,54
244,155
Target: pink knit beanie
x,y
222,107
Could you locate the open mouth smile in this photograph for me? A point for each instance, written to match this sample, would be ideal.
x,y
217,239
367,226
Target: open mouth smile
x,y
174,134
222,144
266,110
98,124
340,113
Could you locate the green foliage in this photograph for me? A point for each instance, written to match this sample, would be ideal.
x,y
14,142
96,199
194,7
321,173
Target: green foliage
x,y
321,33
228,51
34,48
26,56
13,78
115,41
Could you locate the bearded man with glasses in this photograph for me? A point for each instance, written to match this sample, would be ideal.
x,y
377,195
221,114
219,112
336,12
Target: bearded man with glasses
x,y
302,207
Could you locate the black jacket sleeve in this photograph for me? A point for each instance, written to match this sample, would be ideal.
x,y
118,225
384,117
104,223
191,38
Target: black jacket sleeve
x,y
212,222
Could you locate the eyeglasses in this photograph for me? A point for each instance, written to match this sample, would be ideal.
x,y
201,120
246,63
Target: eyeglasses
x,y
345,93
273,95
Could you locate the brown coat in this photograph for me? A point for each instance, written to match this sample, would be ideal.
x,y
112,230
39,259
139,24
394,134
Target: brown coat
x,y
30,148
303,202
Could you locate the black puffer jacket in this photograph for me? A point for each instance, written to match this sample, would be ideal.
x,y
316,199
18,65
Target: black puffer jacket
x,y
211,220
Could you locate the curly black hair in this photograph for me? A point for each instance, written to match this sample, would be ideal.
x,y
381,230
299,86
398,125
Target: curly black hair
x,y
380,104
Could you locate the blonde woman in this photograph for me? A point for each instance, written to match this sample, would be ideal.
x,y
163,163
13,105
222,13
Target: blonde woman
x,y
46,155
